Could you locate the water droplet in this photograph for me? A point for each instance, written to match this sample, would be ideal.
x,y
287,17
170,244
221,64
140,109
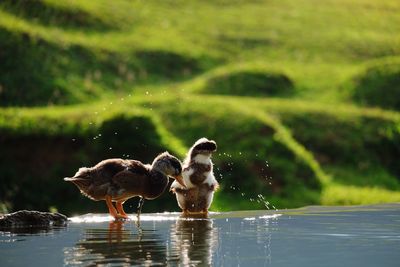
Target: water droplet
x,y
73,139
110,148
115,133
147,92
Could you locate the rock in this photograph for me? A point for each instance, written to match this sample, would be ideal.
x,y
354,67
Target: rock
x,y
25,218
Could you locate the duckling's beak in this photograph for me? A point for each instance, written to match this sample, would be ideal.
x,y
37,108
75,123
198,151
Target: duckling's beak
x,y
179,179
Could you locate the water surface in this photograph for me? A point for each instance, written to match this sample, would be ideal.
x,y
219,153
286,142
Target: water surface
x,y
311,236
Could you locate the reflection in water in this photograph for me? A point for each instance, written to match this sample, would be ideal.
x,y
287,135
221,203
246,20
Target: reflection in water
x,y
32,230
246,241
193,240
117,246
263,236
187,242
13,234
358,237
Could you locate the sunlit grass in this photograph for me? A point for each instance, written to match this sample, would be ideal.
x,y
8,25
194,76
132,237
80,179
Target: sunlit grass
x,y
152,106
319,46
352,195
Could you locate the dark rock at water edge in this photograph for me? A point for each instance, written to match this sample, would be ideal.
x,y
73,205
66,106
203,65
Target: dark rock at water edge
x,y
28,218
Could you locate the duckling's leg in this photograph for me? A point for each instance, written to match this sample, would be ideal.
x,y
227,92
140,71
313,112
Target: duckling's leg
x,y
110,206
112,210
120,209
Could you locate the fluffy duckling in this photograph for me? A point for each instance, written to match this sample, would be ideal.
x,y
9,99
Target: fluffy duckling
x,y
116,180
199,178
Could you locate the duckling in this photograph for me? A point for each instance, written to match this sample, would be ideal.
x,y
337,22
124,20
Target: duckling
x,y
198,177
117,180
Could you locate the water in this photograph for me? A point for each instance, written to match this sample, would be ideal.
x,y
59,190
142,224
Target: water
x,y
312,236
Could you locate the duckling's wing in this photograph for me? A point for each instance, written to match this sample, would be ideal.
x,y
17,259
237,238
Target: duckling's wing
x,y
106,169
127,179
133,180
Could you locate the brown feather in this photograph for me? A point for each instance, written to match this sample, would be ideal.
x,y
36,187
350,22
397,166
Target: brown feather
x,y
121,179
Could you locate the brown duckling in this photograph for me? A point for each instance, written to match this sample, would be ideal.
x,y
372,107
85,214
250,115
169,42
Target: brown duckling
x,y
116,180
198,177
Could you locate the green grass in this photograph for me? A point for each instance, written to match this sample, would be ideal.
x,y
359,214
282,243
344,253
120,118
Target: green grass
x,y
352,195
319,45
276,83
379,85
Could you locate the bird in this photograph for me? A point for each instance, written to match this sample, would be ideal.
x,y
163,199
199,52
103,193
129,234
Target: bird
x,y
117,180
198,176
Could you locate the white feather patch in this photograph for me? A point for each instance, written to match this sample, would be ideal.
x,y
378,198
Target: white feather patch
x,y
210,180
202,159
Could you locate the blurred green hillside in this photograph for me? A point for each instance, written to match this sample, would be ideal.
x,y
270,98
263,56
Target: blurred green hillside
x,y
302,97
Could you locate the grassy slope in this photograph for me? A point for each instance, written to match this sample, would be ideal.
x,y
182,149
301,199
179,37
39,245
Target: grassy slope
x,y
152,59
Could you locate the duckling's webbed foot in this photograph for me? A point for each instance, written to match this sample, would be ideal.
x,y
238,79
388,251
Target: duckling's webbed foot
x,y
185,212
120,217
121,211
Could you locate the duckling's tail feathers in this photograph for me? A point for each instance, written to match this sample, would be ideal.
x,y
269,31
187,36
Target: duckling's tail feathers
x,y
78,181
208,145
